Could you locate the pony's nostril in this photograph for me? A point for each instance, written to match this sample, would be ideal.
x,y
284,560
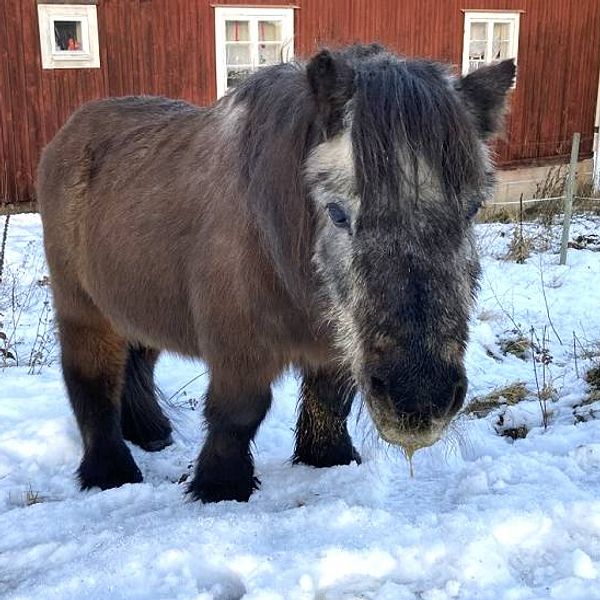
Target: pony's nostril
x,y
378,384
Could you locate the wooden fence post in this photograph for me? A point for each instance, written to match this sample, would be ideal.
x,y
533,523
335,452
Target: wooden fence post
x,y
569,194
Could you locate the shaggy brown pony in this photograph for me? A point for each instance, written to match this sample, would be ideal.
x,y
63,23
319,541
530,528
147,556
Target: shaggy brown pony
x,y
317,216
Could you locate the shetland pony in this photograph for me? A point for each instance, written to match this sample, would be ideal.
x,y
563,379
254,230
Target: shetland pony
x,y
318,216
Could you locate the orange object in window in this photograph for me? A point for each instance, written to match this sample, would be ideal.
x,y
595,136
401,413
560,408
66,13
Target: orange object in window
x,y
73,44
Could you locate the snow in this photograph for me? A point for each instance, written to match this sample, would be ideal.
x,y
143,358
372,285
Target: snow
x,y
485,516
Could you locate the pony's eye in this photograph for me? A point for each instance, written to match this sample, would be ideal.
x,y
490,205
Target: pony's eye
x,y
338,215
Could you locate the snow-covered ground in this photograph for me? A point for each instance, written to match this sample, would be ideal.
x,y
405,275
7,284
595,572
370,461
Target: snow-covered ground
x,y
484,516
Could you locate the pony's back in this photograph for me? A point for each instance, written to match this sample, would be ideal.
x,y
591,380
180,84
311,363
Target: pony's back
x,y
148,226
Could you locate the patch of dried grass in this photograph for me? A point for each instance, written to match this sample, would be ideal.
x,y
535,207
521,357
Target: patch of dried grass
x,y
593,379
509,395
519,346
27,498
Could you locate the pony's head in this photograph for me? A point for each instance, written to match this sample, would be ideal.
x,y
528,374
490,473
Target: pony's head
x,y
399,172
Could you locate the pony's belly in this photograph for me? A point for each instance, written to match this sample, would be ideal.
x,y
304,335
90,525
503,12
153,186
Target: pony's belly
x,y
143,309
153,336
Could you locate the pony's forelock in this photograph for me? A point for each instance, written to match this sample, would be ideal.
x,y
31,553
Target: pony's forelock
x,y
406,111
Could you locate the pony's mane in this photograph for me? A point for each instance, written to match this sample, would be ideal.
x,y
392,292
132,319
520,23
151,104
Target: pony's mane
x,y
279,127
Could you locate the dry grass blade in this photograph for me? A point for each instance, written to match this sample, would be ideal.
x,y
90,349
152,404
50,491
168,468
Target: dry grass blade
x,y
32,497
521,245
520,248
553,186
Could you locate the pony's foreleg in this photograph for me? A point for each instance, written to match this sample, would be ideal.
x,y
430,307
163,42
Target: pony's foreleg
x,y
322,438
225,468
142,419
93,362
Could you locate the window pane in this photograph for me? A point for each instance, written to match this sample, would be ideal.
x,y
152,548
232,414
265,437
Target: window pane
x,y
502,32
501,41
475,64
269,54
270,31
237,31
479,32
238,54
235,76
500,50
67,35
477,50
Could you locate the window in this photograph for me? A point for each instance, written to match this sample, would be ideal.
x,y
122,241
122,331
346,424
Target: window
x,y
248,39
489,37
68,36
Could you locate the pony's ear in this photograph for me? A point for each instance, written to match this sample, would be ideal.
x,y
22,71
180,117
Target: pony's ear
x,y
331,79
485,92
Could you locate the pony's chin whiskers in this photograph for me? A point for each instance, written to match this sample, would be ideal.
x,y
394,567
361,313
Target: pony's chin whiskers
x,y
451,441
456,439
364,428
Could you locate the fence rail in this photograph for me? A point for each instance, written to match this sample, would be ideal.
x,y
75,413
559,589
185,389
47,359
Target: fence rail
x,y
535,200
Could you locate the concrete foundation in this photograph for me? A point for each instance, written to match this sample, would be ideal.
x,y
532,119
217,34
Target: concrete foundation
x,y
531,183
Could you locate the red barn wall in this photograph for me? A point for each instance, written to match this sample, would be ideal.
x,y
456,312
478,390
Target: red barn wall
x,y
167,47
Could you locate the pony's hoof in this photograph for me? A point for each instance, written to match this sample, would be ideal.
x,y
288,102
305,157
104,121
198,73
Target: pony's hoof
x,y
108,468
217,491
330,456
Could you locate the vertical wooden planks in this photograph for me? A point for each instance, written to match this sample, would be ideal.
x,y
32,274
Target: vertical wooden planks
x,y
167,47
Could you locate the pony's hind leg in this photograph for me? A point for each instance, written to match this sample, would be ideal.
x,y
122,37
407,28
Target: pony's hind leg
x,y
225,468
93,362
322,438
142,420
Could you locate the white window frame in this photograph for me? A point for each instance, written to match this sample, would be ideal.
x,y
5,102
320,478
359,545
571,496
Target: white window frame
x,y
252,14
89,55
474,16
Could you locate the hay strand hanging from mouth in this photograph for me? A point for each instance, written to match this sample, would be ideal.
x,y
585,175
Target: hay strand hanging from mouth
x,y
409,451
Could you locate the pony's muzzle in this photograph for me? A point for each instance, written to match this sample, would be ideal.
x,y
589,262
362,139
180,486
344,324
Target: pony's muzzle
x,y
416,408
